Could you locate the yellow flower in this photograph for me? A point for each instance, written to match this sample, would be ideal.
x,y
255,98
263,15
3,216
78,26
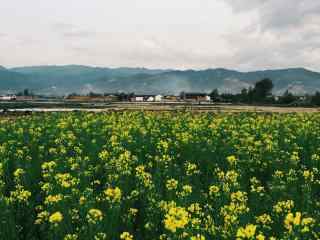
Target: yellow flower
x,y
264,219
239,197
177,217
41,217
246,233
48,167
20,195
191,169
100,236
70,237
94,216
231,176
186,190
306,224
133,211
82,200
292,221
283,206
297,219
163,237
198,237
172,184
308,175
144,176
278,174
126,236
232,160
113,194
260,236
46,187
104,155
195,208
53,199
213,190
307,221
65,180
19,172
56,218
294,157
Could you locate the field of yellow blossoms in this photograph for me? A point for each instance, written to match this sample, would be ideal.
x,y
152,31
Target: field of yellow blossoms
x,y
144,175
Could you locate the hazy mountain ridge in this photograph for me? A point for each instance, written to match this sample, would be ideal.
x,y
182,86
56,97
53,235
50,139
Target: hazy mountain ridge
x,y
60,80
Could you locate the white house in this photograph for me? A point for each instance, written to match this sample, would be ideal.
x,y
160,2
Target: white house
x,y
139,99
158,98
8,98
150,99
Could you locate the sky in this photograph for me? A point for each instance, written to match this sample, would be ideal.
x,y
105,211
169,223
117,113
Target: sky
x,y
238,34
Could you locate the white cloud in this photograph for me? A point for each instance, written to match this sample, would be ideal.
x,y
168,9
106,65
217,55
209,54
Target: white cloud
x,y
239,34
285,33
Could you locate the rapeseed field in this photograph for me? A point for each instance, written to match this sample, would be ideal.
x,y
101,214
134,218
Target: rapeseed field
x,y
144,175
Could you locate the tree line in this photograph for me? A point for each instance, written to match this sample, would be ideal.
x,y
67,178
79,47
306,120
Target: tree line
x,y
261,93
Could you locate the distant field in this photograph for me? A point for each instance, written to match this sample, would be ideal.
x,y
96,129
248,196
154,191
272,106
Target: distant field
x,y
160,175
122,106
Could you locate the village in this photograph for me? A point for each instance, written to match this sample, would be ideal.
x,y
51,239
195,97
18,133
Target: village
x,y
122,97
260,94
117,97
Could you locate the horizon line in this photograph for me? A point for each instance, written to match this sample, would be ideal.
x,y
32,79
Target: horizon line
x,y
162,69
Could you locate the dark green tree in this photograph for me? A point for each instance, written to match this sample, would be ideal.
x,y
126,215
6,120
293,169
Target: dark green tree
x,y
26,92
287,98
262,90
244,95
315,99
214,95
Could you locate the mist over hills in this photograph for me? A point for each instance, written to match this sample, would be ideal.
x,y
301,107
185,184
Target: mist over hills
x,y
62,80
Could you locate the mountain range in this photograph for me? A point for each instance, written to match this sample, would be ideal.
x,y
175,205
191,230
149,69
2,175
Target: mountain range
x,y
62,80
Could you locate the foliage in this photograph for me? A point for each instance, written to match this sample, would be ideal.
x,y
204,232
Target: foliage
x,y
287,98
316,99
260,93
143,175
262,89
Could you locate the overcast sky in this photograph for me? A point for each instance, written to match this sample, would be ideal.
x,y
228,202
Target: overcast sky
x,y
238,34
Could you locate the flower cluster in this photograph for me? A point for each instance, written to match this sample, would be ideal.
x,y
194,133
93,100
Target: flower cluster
x,y
160,175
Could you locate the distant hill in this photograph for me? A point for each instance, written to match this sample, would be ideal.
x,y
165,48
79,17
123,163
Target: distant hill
x,y
11,81
60,80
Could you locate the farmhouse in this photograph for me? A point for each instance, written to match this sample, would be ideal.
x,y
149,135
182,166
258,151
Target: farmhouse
x,y
158,98
198,97
146,98
171,98
137,99
8,98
